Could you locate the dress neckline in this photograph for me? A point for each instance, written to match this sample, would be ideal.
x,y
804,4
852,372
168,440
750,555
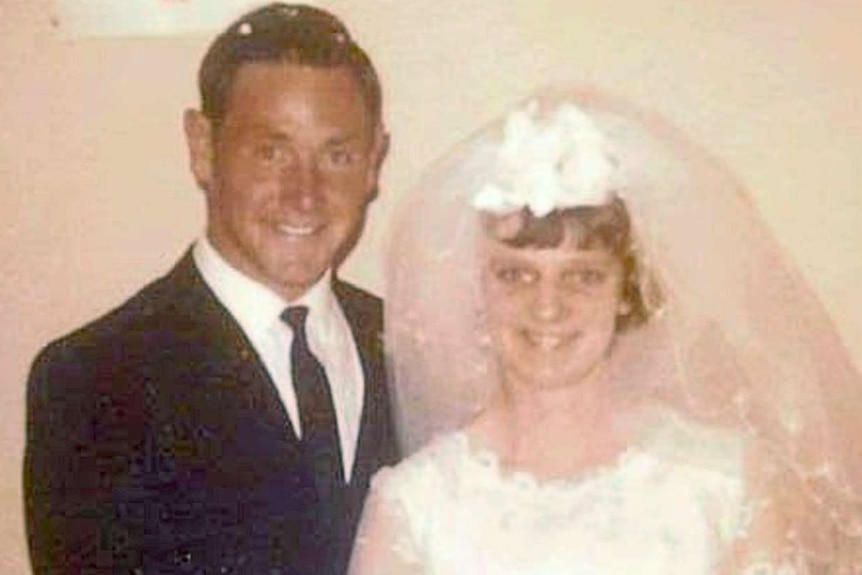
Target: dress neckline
x,y
488,461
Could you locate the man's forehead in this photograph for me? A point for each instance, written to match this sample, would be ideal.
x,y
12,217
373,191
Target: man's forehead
x,y
325,88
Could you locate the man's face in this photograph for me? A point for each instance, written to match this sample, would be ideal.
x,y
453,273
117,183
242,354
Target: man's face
x,y
288,172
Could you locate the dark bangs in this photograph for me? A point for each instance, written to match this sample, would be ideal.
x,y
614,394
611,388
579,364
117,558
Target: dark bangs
x,y
585,227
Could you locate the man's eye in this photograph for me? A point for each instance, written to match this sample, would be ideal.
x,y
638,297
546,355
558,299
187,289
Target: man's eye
x,y
341,157
267,152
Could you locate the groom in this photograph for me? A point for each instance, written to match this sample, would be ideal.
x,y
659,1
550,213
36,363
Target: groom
x,y
228,417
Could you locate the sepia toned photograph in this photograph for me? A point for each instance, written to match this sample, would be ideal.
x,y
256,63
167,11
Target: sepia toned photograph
x,y
431,287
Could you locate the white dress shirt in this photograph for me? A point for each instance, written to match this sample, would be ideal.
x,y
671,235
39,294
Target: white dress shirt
x,y
257,309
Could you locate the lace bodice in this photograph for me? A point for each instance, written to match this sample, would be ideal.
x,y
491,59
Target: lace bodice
x,y
665,507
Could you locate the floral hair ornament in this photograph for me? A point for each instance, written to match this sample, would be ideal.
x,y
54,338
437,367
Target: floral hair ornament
x,y
563,163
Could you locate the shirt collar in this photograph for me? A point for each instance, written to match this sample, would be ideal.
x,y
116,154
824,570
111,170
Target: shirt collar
x,y
255,306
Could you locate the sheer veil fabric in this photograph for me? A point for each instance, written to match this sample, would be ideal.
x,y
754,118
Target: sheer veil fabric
x,y
737,340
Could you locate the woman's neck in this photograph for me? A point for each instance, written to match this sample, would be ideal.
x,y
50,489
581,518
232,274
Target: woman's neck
x,y
555,433
570,403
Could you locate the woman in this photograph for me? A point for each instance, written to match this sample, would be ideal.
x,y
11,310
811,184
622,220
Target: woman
x,y
604,366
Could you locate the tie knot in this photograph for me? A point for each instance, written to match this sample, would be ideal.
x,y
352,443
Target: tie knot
x,y
295,317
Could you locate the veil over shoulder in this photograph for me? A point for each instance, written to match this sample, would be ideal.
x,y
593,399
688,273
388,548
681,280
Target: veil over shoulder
x,y
738,340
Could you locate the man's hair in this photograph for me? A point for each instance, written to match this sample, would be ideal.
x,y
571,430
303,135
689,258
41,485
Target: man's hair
x,y
283,33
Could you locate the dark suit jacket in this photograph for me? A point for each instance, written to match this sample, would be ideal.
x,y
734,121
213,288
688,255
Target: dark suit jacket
x,y
157,443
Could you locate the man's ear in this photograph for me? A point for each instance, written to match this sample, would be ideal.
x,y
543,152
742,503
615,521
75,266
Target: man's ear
x,y
379,150
199,138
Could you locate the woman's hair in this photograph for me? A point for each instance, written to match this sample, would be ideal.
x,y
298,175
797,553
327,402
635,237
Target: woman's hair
x,y
588,227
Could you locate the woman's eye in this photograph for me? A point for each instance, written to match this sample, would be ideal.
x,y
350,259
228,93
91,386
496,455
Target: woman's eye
x,y
590,277
515,276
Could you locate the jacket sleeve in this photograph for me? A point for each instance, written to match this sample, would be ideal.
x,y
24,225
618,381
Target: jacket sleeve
x,y
91,470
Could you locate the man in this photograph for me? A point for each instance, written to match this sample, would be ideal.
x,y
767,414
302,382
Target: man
x,y
203,426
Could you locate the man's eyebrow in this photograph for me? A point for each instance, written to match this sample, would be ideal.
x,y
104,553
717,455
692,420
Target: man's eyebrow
x,y
257,131
271,133
342,139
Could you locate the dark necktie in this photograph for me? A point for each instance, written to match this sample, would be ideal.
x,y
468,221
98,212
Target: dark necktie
x,y
316,411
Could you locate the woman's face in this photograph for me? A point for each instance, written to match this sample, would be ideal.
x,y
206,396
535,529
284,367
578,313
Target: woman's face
x,y
552,312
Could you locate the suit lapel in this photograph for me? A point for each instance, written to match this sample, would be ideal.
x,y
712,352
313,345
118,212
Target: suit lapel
x,y
364,318
226,360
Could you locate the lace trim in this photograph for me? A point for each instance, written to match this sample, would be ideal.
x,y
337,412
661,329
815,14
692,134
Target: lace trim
x,y
489,462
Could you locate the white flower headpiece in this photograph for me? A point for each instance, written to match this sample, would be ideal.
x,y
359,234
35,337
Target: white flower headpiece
x,y
542,167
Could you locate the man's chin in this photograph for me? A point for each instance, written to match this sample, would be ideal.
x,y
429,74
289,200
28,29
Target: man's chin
x,y
295,285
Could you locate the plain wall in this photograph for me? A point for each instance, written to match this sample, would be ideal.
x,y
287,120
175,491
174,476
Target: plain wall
x,y
96,197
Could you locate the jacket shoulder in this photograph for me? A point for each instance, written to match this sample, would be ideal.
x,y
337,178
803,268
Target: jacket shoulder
x,y
140,326
128,316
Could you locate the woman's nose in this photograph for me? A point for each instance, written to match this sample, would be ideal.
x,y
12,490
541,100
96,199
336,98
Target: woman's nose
x,y
550,303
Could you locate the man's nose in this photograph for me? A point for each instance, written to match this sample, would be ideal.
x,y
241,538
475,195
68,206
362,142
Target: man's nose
x,y
302,186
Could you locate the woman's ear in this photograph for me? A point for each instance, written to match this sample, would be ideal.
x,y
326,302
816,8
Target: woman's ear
x,y
625,306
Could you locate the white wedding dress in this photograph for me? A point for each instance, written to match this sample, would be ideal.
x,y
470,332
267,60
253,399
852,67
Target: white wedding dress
x,y
670,505
733,336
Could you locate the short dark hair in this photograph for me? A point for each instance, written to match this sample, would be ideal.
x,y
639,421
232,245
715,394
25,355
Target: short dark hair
x,y
607,226
288,33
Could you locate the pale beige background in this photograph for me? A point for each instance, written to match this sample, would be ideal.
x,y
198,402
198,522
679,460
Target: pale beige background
x,y
95,198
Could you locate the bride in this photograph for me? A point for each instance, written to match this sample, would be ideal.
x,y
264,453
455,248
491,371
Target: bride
x,y
603,365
